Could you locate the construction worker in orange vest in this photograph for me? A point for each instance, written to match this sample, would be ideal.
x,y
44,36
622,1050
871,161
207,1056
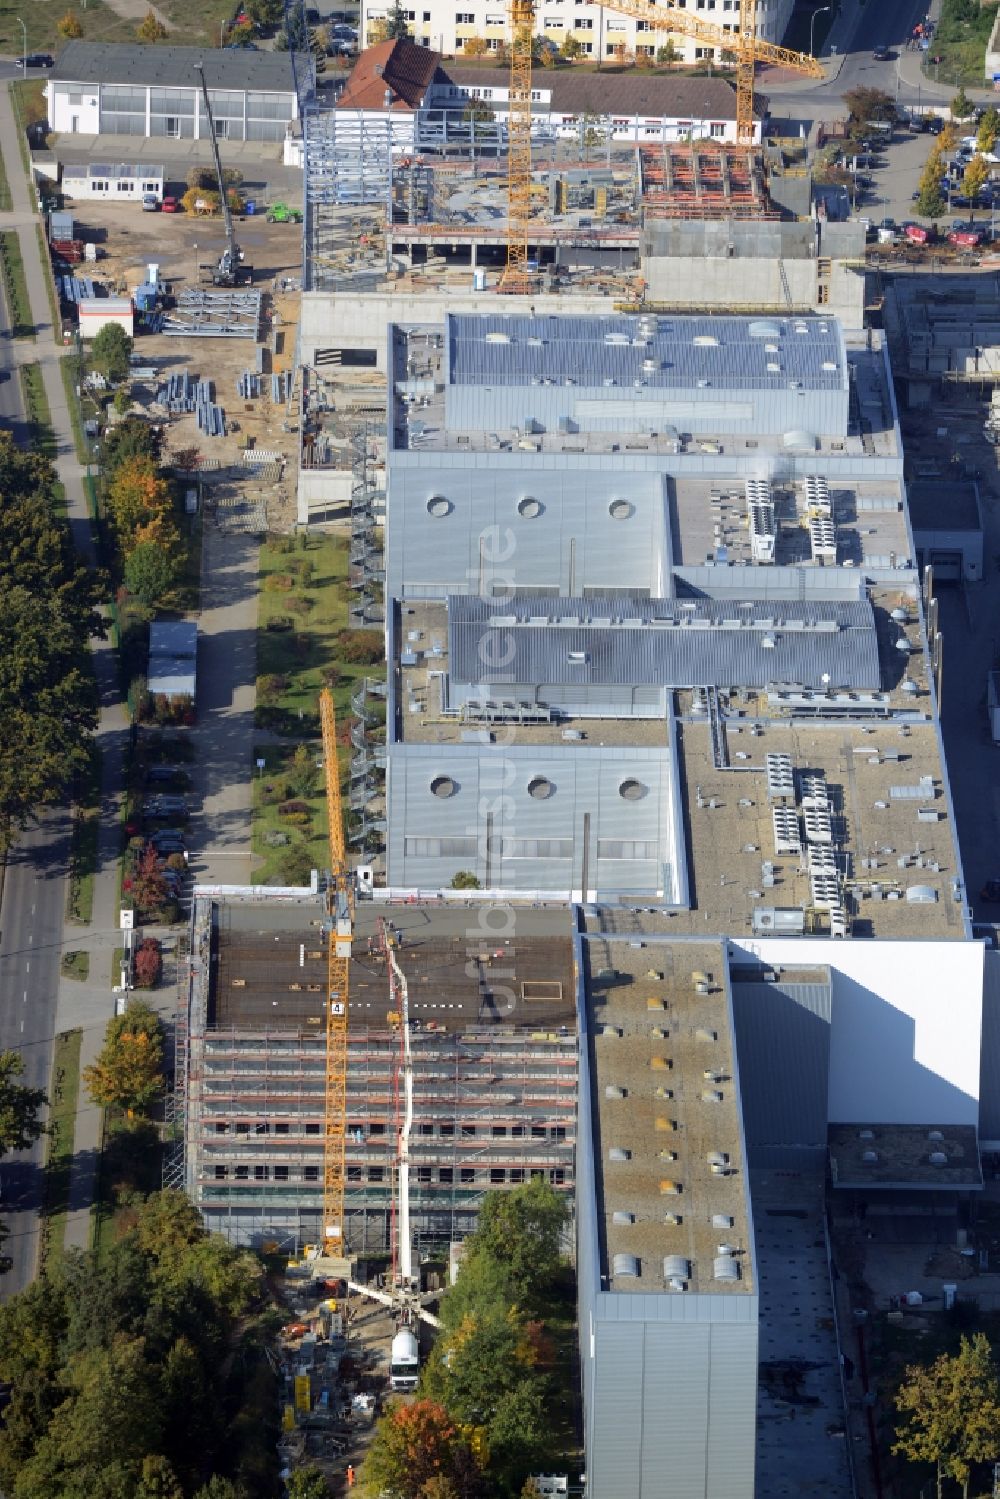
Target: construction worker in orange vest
x,y
350,1475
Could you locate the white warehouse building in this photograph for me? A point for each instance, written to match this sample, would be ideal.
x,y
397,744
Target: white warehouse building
x,y
156,91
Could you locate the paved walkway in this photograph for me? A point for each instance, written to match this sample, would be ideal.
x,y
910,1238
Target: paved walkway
x,y
222,770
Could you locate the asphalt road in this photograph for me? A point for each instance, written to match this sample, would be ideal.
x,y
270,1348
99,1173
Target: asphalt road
x,y
31,917
31,921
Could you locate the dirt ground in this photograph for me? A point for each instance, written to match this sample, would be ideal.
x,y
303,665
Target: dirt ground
x,y
185,248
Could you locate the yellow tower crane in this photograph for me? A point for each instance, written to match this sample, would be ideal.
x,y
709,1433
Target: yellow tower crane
x,y
743,43
340,932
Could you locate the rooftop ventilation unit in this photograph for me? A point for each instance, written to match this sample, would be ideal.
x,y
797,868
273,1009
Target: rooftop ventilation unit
x,y
611,1091
866,1134
622,1218
725,1268
722,1220
676,1267
669,1188
869,1157
617,1153
934,1134
938,1158
711,1095
625,1264
673,1220
498,338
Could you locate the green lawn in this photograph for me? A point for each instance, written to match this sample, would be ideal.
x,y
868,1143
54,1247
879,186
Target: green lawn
x,y
15,286
193,22
303,657
269,790
82,867
36,406
76,965
5,201
50,285
302,653
960,41
63,1094
69,369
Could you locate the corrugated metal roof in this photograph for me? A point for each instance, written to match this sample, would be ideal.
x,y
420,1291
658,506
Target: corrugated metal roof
x,y
175,67
663,642
772,584
660,352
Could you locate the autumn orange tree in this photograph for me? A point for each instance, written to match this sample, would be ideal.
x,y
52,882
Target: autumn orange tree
x,y
414,1446
128,1070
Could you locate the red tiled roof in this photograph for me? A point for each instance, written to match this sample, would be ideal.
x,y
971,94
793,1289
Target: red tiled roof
x,y
401,66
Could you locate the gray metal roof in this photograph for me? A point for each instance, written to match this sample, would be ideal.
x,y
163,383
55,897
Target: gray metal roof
x,y
657,352
771,584
173,637
173,67
115,171
666,642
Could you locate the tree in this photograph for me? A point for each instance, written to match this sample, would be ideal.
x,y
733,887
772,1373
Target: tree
x,y
132,438
307,1483
931,202
465,880
523,1231
666,54
302,772
149,572
218,1487
989,129
149,888
865,104
961,106
110,352
976,176
571,48
474,46
151,29
128,1071
70,28
148,964
953,1411
264,12
294,35
19,1106
135,495
413,1444
158,1480
122,402
516,1434
397,28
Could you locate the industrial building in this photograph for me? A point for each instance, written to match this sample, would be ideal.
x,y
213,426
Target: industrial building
x,y
720,1081
117,89
601,31
494,1042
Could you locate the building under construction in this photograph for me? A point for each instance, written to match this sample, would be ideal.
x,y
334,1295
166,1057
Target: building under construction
x,y
493,1040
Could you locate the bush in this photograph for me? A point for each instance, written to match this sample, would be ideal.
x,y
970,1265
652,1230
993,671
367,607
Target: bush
x,y
279,624
270,687
331,676
360,647
295,865
278,582
296,604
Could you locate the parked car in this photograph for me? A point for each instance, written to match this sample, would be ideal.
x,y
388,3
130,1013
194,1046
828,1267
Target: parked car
x,y
170,205
150,203
881,54
35,60
966,239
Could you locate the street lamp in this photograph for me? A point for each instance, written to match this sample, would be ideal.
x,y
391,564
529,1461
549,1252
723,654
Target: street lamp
x,y
24,54
812,26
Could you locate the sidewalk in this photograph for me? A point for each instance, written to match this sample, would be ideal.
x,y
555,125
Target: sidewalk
x,y
88,1005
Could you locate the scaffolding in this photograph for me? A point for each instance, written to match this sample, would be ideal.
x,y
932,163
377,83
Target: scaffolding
x,y
494,1104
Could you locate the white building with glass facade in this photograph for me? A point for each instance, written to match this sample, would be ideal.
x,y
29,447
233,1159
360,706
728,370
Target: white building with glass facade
x,y
156,92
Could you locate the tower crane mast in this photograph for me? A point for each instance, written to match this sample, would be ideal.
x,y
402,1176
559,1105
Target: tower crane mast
x,y
340,934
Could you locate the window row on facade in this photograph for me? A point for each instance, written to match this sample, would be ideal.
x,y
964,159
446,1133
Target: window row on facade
x,y
497,1176
379,1129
